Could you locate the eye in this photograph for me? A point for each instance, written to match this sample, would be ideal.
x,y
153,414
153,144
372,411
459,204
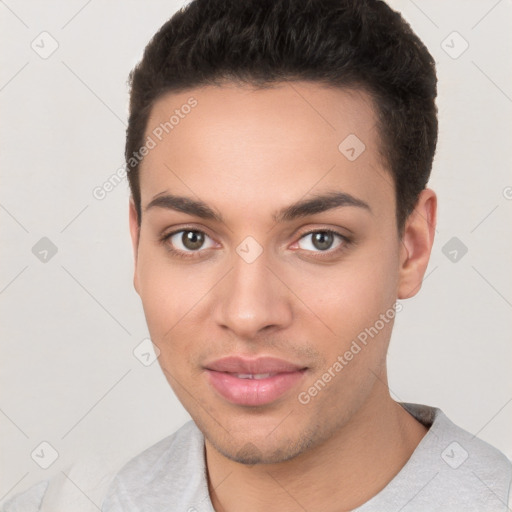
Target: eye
x,y
187,241
322,241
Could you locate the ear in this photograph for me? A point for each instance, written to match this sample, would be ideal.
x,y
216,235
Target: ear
x,y
134,233
417,242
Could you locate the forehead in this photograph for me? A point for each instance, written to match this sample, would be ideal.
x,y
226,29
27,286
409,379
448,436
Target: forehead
x,y
234,145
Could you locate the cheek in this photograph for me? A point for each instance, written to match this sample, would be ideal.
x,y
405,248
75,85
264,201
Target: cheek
x,y
169,293
351,295
358,307
357,303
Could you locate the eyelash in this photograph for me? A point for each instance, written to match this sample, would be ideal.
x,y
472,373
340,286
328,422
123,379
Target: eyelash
x,y
194,254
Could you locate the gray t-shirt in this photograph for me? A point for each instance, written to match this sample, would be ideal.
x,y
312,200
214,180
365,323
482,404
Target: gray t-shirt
x,y
450,470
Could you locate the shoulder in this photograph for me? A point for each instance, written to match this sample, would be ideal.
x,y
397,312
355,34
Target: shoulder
x,y
465,466
166,467
442,429
172,449
28,500
78,488
460,447
170,470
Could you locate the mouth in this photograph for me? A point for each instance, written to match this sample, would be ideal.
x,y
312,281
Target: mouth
x,y
257,376
253,382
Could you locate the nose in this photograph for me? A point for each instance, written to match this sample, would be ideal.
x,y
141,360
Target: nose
x,y
252,298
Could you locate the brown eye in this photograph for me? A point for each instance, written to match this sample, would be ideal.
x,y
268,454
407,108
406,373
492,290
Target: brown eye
x,y
321,240
192,240
188,241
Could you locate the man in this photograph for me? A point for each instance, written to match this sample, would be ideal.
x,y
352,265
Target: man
x,y
278,155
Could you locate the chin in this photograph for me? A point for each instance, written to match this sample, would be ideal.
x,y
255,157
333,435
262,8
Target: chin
x,y
260,449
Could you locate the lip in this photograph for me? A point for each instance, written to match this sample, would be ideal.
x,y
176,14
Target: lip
x,y
222,376
263,364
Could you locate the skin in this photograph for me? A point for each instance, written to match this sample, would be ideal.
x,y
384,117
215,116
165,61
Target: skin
x,y
248,153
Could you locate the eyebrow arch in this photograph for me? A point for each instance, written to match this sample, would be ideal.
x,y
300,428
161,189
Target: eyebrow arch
x,y
185,205
317,204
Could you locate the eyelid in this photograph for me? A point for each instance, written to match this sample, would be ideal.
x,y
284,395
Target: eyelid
x,y
324,229
167,232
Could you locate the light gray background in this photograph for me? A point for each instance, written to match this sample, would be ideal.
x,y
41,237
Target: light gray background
x,y
69,325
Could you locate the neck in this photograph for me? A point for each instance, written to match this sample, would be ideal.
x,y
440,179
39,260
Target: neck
x,y
341,474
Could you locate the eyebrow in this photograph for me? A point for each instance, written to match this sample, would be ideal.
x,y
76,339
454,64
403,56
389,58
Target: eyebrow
x,y
303,208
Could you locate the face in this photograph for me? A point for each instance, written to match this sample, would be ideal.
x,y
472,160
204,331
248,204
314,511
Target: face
x,y
251,301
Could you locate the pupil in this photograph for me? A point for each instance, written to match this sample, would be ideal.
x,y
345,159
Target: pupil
x,y
323,240
192,239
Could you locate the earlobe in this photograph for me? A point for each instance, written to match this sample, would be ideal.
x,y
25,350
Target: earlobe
x,y
417,244
135,234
